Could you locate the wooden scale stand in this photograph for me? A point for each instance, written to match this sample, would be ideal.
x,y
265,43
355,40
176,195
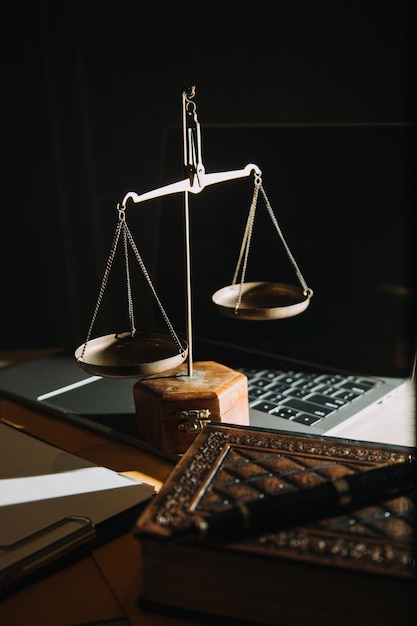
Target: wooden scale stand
x,y
174,400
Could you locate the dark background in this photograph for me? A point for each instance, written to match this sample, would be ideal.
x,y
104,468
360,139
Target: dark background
x,y
89,87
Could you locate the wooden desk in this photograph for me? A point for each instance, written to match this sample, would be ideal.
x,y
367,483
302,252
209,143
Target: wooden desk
x,y
104,586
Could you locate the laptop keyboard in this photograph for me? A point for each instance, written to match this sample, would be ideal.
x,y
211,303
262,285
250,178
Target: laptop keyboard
x,y
304,397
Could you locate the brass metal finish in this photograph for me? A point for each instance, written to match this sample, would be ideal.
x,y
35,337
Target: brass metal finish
x,y
123,355
137,354
193,420
261,300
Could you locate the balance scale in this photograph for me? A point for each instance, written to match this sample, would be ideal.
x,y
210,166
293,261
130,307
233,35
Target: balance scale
x,y
174,397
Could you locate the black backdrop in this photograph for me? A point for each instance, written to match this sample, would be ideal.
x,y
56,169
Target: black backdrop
x,y
89,88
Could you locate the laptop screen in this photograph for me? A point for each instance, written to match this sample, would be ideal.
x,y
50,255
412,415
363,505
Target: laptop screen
x,y
342,195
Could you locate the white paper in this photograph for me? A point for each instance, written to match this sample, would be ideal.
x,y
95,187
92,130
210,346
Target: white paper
x,y
61,484
51,500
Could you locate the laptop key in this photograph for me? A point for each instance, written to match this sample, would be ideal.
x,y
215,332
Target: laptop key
x,y
270,374
307,375
255,392
327,390
264,406
293,392
308,407
278,387
347,395
304,418
260,382
289,379
330,379
332,403
357,387
306,384
274,397
285,412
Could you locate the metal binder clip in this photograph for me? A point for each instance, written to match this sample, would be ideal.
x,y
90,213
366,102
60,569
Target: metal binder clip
x,y
36,550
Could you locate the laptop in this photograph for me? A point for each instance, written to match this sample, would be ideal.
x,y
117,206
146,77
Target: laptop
x,y
342,195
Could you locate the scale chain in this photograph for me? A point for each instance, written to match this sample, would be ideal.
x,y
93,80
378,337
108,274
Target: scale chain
x,y
103,283
307,290
246,241
244,250
149,281
122,227
129,287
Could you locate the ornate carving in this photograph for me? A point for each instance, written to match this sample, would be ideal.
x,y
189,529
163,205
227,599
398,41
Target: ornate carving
x,y
227,463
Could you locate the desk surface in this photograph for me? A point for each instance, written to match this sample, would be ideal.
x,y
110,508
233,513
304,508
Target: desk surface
x,y
103,587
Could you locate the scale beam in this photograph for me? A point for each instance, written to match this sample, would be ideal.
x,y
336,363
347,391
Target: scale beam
x,y
199,183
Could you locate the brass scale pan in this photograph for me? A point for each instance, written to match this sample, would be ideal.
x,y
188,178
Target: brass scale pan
x,y
261,300
123,355
127,355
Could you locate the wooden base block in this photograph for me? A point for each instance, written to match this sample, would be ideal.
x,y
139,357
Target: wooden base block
x,y
172,407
